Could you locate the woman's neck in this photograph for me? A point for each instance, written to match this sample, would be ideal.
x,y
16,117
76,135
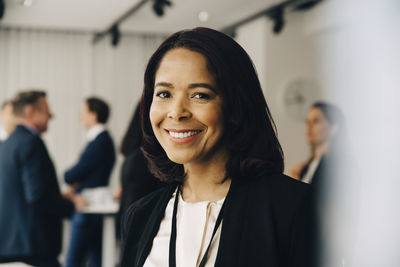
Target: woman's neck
x,y
206,181
320,150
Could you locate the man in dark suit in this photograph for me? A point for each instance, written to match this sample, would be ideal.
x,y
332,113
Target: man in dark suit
x,y
93,169
31,206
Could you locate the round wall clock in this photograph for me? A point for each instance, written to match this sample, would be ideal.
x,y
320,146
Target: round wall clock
x,y
298,95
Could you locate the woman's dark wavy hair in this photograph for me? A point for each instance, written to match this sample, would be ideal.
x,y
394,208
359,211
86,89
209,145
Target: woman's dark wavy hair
x,y
249,131
331,112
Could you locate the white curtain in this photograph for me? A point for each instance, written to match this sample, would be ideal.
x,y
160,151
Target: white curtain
x,y
69,67
118,78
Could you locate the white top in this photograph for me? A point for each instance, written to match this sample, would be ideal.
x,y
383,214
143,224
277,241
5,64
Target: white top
x,y
94,132
195,223
312,167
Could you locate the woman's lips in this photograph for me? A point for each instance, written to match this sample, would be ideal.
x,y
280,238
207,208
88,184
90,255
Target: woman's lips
x,y
182,136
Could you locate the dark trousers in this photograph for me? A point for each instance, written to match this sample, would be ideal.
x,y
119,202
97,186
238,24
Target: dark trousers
x,y
86,240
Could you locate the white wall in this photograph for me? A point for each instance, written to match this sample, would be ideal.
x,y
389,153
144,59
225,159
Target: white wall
x,y
118,77
351,50
69,67
279,60
360,63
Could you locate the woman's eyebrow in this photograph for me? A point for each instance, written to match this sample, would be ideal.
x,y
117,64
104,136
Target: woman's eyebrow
x,y
163,84
205,85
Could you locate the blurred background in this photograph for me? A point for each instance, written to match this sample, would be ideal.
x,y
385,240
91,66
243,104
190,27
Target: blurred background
x,y
346,52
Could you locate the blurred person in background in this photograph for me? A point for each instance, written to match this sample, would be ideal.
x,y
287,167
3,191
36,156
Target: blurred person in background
x,y
325,135
136,179
330,163
31,206
7,120
93,169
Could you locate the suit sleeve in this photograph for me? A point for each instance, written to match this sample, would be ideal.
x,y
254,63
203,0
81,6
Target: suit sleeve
x,y
56,205
32,174
40,189
89,159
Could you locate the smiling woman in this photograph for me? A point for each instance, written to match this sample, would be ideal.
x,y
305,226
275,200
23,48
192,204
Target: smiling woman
x,y
186,113
209,133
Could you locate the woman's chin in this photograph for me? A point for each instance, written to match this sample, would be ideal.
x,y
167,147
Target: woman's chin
x,y
178,159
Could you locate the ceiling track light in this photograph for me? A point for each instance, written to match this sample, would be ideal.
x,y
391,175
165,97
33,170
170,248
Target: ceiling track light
x,y
159,6
305,4
2,8
115,35
276,15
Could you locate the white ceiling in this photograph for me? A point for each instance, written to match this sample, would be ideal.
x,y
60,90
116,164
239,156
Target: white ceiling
x,y
98,15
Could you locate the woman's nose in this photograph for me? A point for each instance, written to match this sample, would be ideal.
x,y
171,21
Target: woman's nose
x,y
179,109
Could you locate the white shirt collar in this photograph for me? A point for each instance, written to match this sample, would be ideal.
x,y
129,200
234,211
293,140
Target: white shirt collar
x,y
3,134
95,131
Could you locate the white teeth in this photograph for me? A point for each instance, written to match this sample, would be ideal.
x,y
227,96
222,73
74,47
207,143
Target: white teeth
x,y
183,134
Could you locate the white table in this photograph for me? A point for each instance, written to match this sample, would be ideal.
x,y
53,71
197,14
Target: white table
x,y
101,202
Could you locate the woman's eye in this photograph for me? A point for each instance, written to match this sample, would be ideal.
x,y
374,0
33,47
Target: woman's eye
x,y
163,95
201,96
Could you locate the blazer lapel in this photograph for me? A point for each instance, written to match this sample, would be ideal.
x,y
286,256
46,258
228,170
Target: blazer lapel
x,y
153,225
232,226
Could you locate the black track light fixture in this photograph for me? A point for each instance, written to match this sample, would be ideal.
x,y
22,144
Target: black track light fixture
x,y
306,5
115,35
2,8
159,6
276,15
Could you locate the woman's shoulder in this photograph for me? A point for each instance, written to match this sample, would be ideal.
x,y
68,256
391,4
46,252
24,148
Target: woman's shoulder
x,y
147,203
278,189
279,183
285,198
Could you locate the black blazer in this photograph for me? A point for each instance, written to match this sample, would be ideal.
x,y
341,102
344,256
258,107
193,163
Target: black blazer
x,y
31,206
267,222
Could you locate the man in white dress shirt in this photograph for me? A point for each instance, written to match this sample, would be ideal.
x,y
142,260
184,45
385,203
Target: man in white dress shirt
x,y
93,169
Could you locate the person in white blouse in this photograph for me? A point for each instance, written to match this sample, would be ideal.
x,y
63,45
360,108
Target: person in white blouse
x,y
209,133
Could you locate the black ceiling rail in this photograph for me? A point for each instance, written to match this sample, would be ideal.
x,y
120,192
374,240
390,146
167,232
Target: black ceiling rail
x,y
2,8
114,26
275,13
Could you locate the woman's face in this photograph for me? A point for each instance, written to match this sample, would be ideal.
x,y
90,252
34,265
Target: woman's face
x,y
319,131
186,112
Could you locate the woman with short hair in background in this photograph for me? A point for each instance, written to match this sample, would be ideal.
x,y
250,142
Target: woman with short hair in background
x,y
325,135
